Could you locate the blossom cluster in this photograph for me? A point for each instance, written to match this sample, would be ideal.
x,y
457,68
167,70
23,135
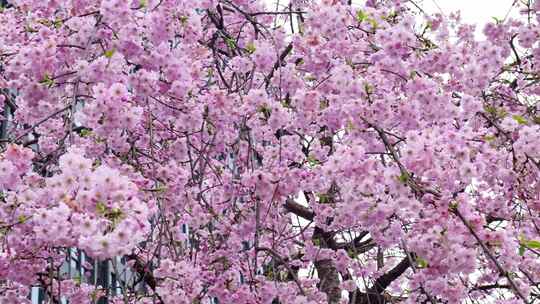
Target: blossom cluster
x,y
318,152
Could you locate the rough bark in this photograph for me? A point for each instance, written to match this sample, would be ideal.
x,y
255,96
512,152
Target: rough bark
x,y
326,269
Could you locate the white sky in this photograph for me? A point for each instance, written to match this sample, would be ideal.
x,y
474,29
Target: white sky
x,y
472,11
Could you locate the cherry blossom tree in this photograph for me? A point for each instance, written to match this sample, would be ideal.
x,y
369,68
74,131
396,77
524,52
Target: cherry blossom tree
x,y
316,151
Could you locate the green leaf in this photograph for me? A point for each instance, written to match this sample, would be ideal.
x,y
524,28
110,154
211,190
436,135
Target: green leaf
x,y
143,3
520,119
30,29
115,213
77,279
490,109
404,177
286,103
94,295
183,19
58,23
266,111
230,42
22,219
497,112
85,132
324,198
390,16
521,250
101,209
368,88
350,125
422,263
250,47
47,80
373,23
45,22
109,53
312,160
361,16
533,244
489,138
502,113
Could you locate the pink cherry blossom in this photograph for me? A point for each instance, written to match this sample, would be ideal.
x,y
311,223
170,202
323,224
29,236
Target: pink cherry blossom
x,y
239,152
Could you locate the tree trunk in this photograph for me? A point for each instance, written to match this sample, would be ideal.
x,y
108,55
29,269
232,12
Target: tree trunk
x,y
326,270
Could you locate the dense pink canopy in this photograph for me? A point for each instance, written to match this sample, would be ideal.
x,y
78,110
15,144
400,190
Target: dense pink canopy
x,y
318,152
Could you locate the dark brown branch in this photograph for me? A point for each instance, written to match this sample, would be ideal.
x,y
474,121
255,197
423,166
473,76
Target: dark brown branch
x,y
489,287
147,276
356,246
299,210
356,242
386,279
490,255
375,294
284,263
278,63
